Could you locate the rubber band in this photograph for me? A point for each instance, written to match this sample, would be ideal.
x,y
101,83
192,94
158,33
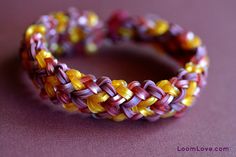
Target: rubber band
x,y
61,33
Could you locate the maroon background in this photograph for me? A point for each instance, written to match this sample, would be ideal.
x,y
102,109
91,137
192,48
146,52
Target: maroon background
x,y
28,127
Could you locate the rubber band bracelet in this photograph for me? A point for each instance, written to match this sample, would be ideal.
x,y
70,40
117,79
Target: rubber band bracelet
x,y
61,33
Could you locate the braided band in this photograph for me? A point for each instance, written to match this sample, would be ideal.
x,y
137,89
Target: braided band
x,y
64,32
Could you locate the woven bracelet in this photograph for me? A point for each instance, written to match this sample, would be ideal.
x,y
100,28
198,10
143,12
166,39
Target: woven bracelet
x,y
61,33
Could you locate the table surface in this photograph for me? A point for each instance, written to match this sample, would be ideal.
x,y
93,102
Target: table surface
x,y
28,127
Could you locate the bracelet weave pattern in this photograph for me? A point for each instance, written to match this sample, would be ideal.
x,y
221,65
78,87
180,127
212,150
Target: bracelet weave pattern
x,y
61,33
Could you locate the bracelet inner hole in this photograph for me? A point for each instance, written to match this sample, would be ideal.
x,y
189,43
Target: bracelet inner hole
x,y
125,61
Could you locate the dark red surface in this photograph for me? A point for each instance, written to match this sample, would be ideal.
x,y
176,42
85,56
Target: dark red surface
x,y
28,127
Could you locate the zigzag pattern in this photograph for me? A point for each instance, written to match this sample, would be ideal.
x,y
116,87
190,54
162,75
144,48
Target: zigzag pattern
x,y
61,33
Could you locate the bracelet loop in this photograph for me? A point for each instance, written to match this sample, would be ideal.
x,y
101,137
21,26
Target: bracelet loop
x,y
61,33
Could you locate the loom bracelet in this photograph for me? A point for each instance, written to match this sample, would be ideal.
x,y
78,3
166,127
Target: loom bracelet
x,y
61,33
